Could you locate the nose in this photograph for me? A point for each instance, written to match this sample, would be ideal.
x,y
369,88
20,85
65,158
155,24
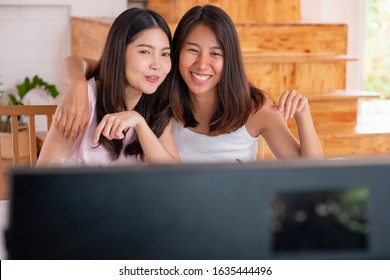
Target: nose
x,y
155,63
202,61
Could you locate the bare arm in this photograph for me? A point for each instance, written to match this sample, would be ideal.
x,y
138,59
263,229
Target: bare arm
x,y
276,133
309,143
72,112
54,146
156,150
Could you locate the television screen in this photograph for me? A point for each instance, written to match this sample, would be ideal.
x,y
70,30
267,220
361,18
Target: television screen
x,y
292,209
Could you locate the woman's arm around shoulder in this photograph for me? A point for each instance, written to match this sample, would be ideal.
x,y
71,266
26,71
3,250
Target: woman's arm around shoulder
x,y
72,112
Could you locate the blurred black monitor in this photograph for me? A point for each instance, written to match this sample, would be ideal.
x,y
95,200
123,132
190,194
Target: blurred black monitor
x,y
293,209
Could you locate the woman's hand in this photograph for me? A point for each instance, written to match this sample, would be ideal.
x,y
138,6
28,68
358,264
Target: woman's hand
x,y
291,103
115,126
294,105
72,112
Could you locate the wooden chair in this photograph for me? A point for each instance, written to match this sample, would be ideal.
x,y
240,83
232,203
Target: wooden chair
x,y
20,135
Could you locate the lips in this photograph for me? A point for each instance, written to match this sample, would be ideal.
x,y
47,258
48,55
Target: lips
x,y
152,78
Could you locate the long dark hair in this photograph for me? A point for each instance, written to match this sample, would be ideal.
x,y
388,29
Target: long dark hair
x,y
111,75
237,98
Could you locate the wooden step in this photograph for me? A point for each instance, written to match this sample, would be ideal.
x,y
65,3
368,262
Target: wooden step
x,y
290,57
346,140
243,11
339,106
293,37
275,72
336,109
358,140
341,94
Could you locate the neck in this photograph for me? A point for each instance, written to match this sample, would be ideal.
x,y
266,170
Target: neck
x,y
132,99
204,106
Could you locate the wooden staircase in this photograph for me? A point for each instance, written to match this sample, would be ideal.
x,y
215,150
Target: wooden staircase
x,y
280,52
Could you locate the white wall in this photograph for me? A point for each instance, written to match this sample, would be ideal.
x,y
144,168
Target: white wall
x,y
351,12
35,36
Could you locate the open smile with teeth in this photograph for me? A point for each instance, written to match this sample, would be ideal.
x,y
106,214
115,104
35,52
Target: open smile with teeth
x,y
200,77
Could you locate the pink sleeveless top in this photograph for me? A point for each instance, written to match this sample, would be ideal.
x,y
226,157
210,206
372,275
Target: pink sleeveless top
x,y
96,155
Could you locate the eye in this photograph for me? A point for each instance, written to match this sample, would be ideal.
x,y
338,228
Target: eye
x,y
193,51
166,54
215,54
144,52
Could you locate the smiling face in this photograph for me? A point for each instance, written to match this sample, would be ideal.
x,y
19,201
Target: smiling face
x,y
201,60
147,61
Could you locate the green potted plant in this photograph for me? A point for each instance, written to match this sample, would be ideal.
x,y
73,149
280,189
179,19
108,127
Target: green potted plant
x,y
22,89
27,85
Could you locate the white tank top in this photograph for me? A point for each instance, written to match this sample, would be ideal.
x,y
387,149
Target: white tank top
x,y
193,147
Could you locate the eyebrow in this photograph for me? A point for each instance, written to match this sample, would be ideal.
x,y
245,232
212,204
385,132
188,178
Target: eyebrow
x,y
197,45
151,47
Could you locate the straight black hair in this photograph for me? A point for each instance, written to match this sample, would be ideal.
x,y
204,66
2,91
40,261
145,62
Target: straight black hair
x,y
111,74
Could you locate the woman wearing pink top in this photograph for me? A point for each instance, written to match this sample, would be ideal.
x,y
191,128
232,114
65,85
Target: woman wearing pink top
x,y
128,123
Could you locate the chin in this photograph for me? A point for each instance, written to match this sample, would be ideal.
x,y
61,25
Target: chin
x,y
196,91
149,91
